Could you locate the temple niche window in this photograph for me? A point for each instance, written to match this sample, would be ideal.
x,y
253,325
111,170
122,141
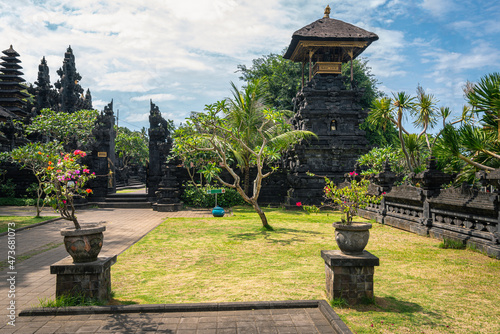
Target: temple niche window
x,y
333,125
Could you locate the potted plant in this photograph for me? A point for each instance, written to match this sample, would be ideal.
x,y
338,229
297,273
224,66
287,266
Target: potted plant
x,y
351,237
65,180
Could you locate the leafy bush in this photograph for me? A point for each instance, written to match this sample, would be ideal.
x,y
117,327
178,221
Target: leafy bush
x,y
8,188
200,199
17,201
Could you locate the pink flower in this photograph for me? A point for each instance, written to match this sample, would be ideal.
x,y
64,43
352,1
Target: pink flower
x,y
76,152
353,174
298,203
85,170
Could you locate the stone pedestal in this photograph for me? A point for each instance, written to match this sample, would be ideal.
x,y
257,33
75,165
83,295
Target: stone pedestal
x,y
167,207
91,279
349,276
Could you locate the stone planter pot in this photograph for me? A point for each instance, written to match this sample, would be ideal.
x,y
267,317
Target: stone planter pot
x,y
352,239
84,244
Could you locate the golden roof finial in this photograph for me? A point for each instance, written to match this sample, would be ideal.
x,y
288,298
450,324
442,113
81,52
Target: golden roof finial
x,y
327,12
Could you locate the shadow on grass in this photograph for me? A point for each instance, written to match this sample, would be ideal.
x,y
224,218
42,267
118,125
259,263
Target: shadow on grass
x,y
393,305
273,236
114,301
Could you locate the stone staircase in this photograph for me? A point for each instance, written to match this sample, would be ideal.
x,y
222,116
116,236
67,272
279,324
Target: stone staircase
x,y
133,183
126,201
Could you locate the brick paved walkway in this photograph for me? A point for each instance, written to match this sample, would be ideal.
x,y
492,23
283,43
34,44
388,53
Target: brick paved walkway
x,y
38,248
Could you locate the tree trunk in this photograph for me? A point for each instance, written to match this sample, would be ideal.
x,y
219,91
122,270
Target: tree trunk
x,y
246,180
262,216
401,139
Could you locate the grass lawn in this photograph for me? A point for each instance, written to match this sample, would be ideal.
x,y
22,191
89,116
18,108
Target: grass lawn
x,y
419,287
20,221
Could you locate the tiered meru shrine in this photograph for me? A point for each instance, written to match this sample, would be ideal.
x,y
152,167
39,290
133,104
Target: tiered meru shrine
x,y
326,106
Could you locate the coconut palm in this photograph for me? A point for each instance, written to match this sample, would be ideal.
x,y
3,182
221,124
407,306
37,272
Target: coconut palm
x,y
402,101
425,112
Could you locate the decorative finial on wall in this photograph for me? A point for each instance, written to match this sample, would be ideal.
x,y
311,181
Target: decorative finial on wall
x,y
327,12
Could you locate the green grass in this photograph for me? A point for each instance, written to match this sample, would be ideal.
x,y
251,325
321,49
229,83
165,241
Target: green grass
x,y
451,243
67,300
419,287
20,221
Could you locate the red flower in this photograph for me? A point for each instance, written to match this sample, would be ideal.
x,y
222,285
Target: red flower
x,y
88,191
298,203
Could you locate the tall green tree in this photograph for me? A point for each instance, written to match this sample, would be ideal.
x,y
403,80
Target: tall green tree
x,y
283,78
63,127
132,146
217,132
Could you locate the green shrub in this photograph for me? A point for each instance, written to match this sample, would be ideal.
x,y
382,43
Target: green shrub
x,y
17,201
200,199
452,244
8,188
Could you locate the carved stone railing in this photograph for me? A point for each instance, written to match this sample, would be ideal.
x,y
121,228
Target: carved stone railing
x,y
464,214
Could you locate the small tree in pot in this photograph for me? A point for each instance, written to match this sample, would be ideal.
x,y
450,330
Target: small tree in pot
x,y
352,237
65,180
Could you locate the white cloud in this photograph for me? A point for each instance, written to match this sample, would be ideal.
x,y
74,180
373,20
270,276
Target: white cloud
x,y
438,8
99,104
137,117
154,97
386,54
480,56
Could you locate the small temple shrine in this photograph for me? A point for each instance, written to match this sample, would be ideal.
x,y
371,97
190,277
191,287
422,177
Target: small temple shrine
x,y
12,105
328,105
327,43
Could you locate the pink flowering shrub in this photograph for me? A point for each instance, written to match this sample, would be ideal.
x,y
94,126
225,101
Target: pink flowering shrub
x,y
65,179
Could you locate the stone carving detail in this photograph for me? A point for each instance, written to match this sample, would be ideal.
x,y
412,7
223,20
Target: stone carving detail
x,y
102,159
462,213
163,186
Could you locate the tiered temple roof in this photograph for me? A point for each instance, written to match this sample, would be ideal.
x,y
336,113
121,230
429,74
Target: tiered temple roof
x,y
328,43
11,95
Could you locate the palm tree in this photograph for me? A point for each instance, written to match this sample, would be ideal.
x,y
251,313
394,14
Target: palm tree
x,y
402,101
248,132
425,111
245,114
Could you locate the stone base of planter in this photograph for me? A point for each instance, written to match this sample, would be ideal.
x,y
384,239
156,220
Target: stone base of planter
x,y
91,279
349,276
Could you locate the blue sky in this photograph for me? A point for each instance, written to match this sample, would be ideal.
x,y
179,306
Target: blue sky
x,y
184,54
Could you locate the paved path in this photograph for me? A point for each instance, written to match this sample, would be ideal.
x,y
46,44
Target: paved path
x,y
44,246
39,247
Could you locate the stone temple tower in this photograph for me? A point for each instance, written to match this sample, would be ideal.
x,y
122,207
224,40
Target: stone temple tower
x,y
328,105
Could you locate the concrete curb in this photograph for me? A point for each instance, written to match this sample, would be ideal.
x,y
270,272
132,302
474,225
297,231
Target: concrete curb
x,y
31,226
322,305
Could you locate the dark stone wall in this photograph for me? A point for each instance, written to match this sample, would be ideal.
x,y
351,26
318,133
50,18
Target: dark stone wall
x,y
463,214
322,101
